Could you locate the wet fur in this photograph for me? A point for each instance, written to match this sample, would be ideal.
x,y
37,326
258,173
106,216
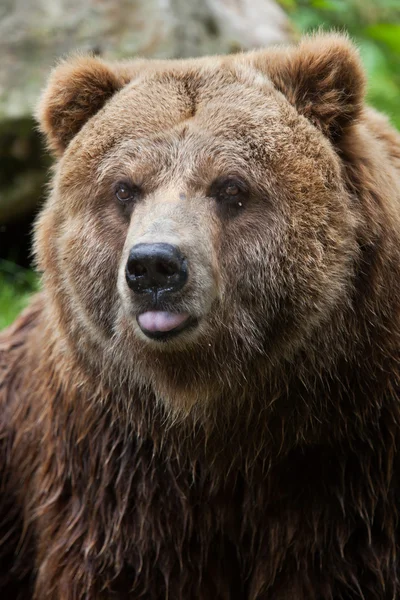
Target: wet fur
x,y
259,460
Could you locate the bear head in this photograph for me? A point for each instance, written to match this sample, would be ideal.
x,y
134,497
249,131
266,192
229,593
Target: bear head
x,y
199,232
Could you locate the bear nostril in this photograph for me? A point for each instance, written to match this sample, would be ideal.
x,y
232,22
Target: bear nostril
x,y
137,270
165,268
153,267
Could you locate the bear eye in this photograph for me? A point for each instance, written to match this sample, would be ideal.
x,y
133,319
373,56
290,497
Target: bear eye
x,y
126,192
231,191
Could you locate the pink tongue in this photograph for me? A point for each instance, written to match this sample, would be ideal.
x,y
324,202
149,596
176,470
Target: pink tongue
x,y
158,320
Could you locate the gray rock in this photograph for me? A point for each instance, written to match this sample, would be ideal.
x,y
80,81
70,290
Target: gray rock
x,y
35,34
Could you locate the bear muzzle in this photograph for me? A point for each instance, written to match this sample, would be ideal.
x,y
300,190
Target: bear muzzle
x,y
158,270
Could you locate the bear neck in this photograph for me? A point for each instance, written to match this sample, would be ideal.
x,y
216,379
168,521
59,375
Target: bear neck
x,y
300,403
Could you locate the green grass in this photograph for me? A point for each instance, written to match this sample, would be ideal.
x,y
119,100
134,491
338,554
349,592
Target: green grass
x,y
16,287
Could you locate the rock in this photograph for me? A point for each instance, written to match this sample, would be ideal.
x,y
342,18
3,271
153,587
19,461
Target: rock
x,y
35,34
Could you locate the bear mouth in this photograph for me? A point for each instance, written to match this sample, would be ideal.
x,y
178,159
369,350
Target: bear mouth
x,y
163,325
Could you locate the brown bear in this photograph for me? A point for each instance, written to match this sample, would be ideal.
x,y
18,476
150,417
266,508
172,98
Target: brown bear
x,y
203,403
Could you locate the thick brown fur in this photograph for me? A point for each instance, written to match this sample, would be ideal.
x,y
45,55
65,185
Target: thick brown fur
x,y
254,457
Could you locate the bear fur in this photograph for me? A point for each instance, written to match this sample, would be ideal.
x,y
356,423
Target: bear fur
x,y
254,454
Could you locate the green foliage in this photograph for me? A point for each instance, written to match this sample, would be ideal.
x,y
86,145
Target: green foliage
x,y
16,286
375,26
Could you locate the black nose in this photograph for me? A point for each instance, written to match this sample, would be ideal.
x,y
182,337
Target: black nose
x,y
155,267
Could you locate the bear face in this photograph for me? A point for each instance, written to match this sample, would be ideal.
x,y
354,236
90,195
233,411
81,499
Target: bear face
x,y
199,215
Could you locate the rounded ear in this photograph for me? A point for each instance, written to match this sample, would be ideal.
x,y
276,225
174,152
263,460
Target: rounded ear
x,y
322,77
76,90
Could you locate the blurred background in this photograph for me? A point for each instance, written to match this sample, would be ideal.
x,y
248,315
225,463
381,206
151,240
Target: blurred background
x,y
34,34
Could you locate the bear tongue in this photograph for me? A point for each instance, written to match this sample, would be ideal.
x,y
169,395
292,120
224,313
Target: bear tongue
x,y
158,320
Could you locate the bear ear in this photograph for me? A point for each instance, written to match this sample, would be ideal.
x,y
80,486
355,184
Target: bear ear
x,y
77,89
322,77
